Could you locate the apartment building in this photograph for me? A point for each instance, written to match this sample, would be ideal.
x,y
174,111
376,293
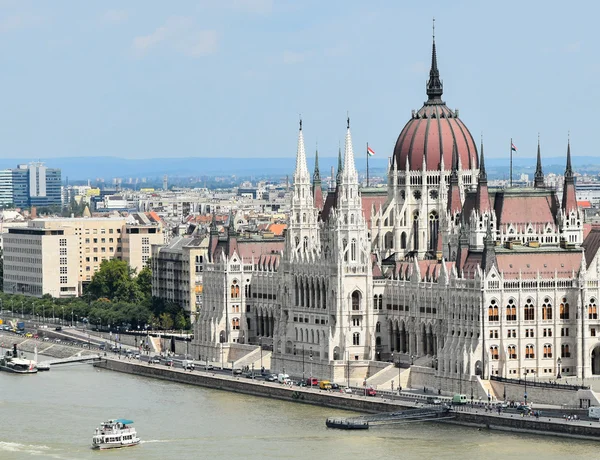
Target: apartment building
x,y
57,256
177,271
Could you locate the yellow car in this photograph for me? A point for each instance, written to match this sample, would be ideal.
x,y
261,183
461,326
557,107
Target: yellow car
x,y
29,334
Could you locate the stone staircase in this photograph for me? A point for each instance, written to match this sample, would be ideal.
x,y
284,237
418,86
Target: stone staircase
x,y
485,389
253,357
384,378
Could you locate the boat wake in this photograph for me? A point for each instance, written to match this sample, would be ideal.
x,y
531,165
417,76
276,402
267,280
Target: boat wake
x,y
26,448
155,440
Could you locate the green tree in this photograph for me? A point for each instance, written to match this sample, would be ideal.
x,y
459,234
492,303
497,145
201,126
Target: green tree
x,y
144,285
166,321
114,280
180,322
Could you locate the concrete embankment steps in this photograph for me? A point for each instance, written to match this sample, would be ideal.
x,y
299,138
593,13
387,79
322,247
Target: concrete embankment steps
x,y
254,357
383,379
487,389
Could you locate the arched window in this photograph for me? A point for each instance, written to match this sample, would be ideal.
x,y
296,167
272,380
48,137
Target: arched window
x,y
235,290
351,218
353,250
403,240
564,309
592,309
344,247
434,222
304,217
494,352
511,311
235,324
512,352
301,335
378,327
305,243
564,351
529,352
375,302
416,231
312,336
356,301
547,351
529,311
356,338
546,309
381,301
493,314
388,240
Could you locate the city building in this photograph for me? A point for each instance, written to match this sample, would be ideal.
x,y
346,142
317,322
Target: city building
x,y
177,271
32,184
57,256
439,270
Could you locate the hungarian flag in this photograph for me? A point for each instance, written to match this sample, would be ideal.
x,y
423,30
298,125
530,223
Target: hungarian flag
x,y
370,151
512,147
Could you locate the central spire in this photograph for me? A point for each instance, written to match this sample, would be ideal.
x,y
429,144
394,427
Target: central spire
x,y
435,88
539,174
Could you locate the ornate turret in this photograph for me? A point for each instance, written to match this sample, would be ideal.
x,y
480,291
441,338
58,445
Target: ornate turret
x,y
435,88
539,174
483,200
454,203
569,200
317,185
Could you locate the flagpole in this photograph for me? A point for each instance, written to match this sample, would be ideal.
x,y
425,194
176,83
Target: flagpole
x,y
367,165
511,144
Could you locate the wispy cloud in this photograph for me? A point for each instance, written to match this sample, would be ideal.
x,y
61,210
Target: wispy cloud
x,y
419,67
180,34
19,21
294,57
115,16
574,47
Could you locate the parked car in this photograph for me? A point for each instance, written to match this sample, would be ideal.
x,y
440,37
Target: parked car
x,y
325,385
523,408
348,390
312,382
155,360
237,372
371,391
169,363
35,336
136,356
209,367
29,335
272,378
58,328
335,386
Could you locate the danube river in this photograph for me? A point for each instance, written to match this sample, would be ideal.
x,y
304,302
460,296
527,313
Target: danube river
x,y
53,415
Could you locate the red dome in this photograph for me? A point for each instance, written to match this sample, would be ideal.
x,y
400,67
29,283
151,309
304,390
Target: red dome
x,y
432,132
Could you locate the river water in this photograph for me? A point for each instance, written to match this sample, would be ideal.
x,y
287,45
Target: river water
x,y
53,415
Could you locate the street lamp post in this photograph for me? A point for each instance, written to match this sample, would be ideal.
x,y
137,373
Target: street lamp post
x,y
63,315
44,313
302,362
261,365
558,362
71,318
525,394
348,368
311,370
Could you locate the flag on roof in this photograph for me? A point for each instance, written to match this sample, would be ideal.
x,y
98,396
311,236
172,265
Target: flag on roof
x,y
512,147
370,151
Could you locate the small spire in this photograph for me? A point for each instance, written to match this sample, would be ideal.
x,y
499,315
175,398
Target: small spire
x,y
569,169
482,172
435,88
340,165
348,121
317,173
539,174
454,172
300,122
213,223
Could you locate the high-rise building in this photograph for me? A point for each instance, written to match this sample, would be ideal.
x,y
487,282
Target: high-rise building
x,y
30,185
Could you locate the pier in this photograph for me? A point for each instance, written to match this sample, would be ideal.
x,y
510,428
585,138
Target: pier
x,y
72,359
388,418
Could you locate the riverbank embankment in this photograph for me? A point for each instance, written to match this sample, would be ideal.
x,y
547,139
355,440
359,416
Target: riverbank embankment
x,y
466,416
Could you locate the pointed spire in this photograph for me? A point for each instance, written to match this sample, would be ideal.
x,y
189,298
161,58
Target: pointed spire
x,y
489,250
340,167
301,168
435,88
569,201
316,173
454,170
539,174
454,203
349,166
213,223
482,172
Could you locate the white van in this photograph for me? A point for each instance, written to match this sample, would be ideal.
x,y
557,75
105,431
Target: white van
x,y
283,378
594,412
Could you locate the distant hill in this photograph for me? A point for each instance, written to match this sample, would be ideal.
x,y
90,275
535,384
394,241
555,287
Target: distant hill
x,y
82,168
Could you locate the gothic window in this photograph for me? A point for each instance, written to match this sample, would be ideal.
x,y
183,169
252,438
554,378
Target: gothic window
x,y
493,312
592,309
304,217
547,309
564,309
305,243
356,338
416,231
564,351
375,302
351,218
235,324
353,250
378,327
344,247
529,311
388,240
529,352
381,301
494,352
512,352
511,311
417,194
346,218
434,223
235,290
433,194
403,240
356,301
547,351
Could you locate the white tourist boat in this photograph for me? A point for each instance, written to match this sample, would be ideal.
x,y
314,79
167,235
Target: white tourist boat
x,y
114,434
11,362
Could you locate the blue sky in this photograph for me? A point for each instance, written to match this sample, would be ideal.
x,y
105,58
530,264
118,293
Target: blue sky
x,y
228,78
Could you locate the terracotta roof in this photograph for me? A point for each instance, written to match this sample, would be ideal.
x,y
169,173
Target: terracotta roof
x,y
529,262
587,228
328,206
277,229
371,198
525,206
584,204
591,243
470,264
377,273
